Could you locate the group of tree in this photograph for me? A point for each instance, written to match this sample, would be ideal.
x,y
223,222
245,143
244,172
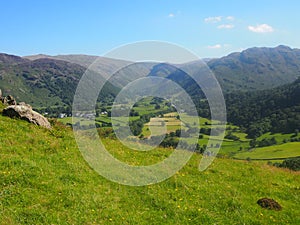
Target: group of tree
x,y
291,163
276,110
263,143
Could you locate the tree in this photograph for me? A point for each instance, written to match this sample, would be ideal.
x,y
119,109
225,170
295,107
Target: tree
x,y
293,164
253,143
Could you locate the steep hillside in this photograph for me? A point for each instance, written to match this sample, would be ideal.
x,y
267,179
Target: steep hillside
x,y
44,180
179,76
42,82
275,110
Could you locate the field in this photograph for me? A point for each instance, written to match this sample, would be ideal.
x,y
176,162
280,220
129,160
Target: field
x,y
169,122
172,123
45,180
287,150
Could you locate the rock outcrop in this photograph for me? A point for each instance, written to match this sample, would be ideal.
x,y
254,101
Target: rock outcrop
x,y
25,112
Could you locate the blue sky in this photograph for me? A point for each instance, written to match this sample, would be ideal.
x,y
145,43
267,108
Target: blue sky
x,y
208,28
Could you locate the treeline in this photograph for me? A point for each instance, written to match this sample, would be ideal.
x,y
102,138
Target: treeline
x,y
263,143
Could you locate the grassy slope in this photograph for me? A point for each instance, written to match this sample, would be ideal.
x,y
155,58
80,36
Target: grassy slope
x,y
44,180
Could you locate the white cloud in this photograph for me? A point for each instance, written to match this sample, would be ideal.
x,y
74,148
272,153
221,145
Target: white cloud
x,y
225,26
217,46
261,28
213,19
230,18
217,19
171,15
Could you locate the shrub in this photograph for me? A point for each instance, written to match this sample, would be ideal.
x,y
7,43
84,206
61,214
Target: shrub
x,y
231,136
292,164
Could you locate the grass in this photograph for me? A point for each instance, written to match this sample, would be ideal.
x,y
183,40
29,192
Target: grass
x,y
44,180
291,149
82,121
278,136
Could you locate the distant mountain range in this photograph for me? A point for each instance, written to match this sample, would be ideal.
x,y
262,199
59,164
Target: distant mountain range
x,y
43,80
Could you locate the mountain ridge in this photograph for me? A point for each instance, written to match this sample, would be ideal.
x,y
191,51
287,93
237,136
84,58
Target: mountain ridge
x,y
257,68
252,69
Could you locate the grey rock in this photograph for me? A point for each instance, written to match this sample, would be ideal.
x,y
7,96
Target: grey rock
x,y
25,112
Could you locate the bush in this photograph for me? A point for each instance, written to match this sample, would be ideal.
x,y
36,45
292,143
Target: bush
x,y
292,164
231,136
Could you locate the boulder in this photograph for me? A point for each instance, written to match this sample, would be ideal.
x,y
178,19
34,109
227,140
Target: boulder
x,y
25,112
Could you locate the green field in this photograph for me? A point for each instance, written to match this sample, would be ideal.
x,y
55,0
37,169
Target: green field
x,y
279,137
238,149
228,147
45,180
282,151
82,121
145,106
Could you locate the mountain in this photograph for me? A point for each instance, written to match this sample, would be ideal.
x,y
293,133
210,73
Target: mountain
x,y
43,81
6,59
257,68
250,70
178,75
105,66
